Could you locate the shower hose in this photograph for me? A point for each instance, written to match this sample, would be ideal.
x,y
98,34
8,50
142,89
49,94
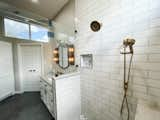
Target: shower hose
x,y
126,82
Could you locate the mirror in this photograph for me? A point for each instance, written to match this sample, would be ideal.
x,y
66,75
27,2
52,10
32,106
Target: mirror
x,y
63,56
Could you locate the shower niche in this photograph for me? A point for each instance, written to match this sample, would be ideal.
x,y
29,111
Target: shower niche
x,y
86,61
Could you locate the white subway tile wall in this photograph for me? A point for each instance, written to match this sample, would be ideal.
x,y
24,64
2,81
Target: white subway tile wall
x,y
102,86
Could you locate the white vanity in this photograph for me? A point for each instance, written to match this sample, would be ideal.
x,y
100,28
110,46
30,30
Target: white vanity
x,y
48,95
61,95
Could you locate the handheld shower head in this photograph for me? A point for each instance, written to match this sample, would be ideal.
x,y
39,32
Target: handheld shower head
x,y
128,43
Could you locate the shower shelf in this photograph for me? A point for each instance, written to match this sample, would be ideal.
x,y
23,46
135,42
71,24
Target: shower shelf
x,y
86,61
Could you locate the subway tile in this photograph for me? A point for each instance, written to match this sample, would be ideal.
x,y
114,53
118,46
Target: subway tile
x,y
154,58
104,82
154,75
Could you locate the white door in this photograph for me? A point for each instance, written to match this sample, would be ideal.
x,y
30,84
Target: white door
x,y
6,70
31,66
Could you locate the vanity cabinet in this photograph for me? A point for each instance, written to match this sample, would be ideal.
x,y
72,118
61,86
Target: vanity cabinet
x,y
47,95
61,95
68,97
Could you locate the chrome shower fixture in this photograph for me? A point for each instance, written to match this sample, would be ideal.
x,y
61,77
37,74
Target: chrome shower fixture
x,y
128,43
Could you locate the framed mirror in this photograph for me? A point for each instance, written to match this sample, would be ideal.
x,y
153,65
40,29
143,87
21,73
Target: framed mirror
x,y
64,55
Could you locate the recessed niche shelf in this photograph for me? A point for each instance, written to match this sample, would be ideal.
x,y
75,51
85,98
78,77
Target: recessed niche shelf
x,y
86,61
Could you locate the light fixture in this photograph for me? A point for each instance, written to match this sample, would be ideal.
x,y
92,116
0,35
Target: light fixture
x,y
71,59
35,1
56,55
55,59
55,51
71,49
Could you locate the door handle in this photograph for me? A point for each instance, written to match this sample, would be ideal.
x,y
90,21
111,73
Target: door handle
x,y
32,70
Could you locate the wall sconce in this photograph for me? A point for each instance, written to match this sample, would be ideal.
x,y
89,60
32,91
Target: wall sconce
x,y
61,55
71,49
71,59
56,55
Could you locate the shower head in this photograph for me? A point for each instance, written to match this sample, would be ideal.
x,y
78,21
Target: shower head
x,y
128,43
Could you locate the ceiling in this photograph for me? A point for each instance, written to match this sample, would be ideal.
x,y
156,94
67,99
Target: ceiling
x,y
45,8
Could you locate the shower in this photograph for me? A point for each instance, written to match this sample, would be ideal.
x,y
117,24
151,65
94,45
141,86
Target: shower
x,y
127,43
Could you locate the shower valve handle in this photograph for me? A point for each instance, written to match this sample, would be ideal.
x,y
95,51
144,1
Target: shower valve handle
x,y
126,86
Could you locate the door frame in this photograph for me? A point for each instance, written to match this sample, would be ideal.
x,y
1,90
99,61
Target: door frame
x,y
20,73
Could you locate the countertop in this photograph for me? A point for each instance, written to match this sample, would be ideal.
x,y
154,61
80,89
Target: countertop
x,y
48,79
65,75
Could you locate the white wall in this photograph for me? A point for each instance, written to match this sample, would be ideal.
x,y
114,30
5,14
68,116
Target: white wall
x,y
64,21
6,70
47,49
101,87
48,57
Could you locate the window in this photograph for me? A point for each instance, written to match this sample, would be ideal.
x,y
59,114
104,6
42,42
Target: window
x,y
16,29
39,33
27,31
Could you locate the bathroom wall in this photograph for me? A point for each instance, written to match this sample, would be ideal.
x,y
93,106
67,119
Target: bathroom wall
x,y
64,24
101,87
47,52
65,19
48,55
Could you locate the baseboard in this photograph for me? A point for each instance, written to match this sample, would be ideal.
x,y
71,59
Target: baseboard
x,y
10,94
18,92
6,96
